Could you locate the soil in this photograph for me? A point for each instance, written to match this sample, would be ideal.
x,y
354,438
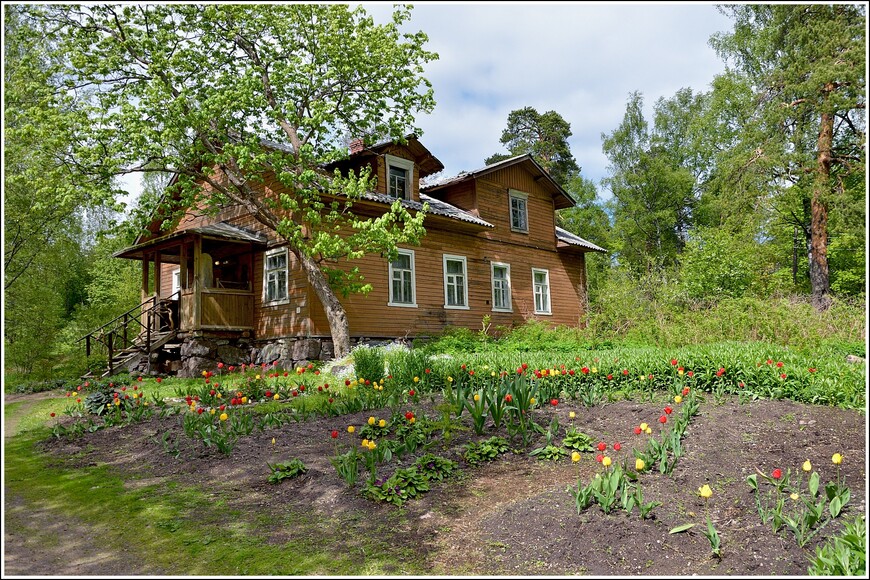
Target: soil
x,y
511,516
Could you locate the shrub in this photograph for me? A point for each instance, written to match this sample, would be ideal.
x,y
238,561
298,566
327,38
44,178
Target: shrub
x,y
844,555
368,363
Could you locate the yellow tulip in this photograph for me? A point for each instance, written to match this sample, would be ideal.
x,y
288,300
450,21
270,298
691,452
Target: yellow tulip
x,y
224,417
594,370
639,464
807,466
606,462
575,457
572,414
412,419
648,431
361,380
371,420
680,372
449,379
837,459
476,397
351,429
492,374
277,396
794,496
705,491
678,399
258,377
273,440
372,445
211,411
382,423
532,401
416,379
244,400
365,443
643,426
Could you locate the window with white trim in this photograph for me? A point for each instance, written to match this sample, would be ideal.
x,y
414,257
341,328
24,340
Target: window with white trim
x,y
501,287
275,276
519,211
455,282
541,285
402,284
400,176
176,284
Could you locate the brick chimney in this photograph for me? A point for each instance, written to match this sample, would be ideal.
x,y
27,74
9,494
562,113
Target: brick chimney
x,y
356,145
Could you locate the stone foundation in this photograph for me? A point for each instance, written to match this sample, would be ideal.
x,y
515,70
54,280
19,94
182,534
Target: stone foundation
x,y
202,353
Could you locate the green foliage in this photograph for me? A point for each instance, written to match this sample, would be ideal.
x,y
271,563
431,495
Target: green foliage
x,y
347,465
577,441
542,135
405,365
487,450
368,363
286,470
403,485
716,265
434,467
845,554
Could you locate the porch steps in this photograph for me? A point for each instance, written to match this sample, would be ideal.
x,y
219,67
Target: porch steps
x,y
123,356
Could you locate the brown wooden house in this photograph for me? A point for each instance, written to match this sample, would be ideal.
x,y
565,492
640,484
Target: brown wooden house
x,y
228,289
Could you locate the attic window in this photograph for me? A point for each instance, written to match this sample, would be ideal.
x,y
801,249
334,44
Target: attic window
x,y
400,176
519,211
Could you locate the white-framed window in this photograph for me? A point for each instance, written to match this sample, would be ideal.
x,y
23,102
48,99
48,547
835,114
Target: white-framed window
x,y
176,284
400,176
501,287
403,291
275,276
541,286
519,211
455,282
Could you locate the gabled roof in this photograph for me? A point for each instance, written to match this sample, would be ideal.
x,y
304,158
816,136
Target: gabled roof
x,y
574,240
561,198
436,207
426,162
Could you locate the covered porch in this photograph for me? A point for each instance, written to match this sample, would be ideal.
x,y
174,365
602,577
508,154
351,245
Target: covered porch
x,y
211,281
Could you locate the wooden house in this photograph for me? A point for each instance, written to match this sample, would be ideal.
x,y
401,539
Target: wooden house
x,y
224,287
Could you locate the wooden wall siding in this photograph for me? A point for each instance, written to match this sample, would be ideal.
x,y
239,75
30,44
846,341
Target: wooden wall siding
x,y
405,153
290,319
226,309
493,202
464,196
370,316
166,271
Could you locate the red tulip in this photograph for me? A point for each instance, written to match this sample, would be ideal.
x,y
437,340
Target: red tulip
x,y
220,365
663,419
409,415
609,377
223,407
554,402
686,390
508,398
617,446
302,388
52,414
411,393
335,434
602,446
637,430
779,365
673,362
777,473
625,372
200,410
585,370
599,458
668,410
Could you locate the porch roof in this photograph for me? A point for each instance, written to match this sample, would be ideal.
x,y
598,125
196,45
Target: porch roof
x,y
219,231
574,240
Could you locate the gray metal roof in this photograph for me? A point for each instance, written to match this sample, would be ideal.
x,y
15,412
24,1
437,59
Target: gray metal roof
x,y
436,207
442,181
226,231
574,240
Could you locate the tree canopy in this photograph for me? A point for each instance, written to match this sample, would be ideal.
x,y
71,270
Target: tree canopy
x,y
226,95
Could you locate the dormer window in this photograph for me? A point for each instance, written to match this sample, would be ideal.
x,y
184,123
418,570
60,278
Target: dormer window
x,y
400,176
519,211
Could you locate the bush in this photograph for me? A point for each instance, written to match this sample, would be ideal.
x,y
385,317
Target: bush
x,y
368,363
404,365
844,555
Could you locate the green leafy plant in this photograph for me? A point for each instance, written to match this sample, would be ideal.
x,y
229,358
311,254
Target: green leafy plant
x,y
286,470
577,440
477,453
347,465
434,467
549,451
478,408
403,485
368,363
844,554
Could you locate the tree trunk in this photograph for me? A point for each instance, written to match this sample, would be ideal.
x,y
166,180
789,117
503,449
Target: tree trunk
x,y
335,313
819,223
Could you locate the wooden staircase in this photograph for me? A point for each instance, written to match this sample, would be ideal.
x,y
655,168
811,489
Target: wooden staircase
x,y
141,330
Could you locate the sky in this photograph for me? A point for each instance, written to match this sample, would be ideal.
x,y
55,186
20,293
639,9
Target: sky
x,y
579,59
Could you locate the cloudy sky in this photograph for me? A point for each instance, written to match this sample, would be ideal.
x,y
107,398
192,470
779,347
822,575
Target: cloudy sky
x,y
579,59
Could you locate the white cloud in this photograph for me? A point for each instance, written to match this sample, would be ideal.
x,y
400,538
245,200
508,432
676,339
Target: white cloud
x,y
579,60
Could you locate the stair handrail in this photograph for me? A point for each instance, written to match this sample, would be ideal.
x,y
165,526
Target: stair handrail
x,y
152,300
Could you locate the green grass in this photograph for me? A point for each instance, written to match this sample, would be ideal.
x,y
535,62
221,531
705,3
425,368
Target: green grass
x,y
183,530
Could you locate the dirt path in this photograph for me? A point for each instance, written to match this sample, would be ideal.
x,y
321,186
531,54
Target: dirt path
x,y
39,543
